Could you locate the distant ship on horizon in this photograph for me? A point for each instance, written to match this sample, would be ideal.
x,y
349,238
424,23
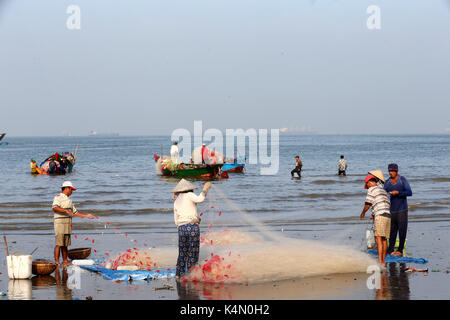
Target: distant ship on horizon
x,y
298,130
94,133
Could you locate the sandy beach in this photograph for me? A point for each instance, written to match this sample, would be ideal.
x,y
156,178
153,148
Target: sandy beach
x,y
395,283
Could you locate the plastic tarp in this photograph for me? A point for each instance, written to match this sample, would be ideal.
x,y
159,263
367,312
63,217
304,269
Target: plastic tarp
x,y
125,275
392,258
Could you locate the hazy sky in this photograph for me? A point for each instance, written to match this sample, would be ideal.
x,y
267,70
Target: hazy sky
x,y
149,67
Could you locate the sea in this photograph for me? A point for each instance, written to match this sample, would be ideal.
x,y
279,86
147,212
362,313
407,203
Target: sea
x,y
116,180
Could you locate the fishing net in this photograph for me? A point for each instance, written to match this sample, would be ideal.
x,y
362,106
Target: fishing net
x,y
210,156
169,164
144,259
227,237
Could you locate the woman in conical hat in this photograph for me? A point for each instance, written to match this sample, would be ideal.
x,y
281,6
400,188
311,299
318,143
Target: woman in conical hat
x,y
183,186
187,220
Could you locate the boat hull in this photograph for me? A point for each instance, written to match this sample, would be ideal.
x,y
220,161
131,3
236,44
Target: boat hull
x,y
212,171
233,168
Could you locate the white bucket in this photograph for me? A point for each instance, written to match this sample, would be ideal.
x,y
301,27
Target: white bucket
x,y
19,289
19,266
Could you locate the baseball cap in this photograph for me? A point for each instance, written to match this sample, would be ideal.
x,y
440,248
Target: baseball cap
x,y
393,167
68,184
368,178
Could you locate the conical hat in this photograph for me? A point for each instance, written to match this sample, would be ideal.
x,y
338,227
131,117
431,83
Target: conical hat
x,y
183,185
378,174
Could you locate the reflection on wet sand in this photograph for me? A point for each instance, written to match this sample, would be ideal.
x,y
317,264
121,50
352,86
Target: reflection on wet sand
x,y
19,289
58,281
394,284
62,291
323,287
42,282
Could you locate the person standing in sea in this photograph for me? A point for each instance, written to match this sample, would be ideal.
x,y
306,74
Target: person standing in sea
x,y
64,210
399,189
174,152
34,167
187,221
298,167
342,166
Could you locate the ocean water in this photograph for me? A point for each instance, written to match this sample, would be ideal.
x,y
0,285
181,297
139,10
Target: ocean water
x,y
116,180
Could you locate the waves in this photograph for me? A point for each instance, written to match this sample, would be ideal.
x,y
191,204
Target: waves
x,y
428,206
340,181
430,179
320,196
440,179
25,205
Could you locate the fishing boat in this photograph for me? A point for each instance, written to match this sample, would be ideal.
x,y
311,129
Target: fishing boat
x,y
233,167
64,163
1,137
166,167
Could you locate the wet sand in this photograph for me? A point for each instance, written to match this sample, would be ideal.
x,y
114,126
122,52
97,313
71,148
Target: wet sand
x,y
427,238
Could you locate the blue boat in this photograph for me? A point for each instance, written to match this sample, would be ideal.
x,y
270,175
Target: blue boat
x,y
234,167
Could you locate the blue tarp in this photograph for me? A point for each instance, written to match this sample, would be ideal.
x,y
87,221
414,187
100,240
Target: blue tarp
x,y
391,258
125,275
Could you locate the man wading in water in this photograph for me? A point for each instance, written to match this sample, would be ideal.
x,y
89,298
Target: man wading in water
x,y
187,220
298,167
64,210
342,166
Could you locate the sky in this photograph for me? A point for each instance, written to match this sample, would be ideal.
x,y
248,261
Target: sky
x,y
148,67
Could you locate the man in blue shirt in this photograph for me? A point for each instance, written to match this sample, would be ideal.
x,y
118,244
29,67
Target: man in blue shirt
x,y
398,187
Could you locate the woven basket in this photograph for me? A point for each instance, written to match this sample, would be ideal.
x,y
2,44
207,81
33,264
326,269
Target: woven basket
x,y
42,267
79,253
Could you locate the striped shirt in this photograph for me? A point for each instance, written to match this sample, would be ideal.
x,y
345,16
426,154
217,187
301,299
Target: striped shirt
x,y
379,202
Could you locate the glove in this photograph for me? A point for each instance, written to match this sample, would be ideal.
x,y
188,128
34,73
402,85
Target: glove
x,y
206,187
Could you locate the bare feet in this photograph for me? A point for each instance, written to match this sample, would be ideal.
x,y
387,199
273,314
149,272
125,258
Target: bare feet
x,y
67,263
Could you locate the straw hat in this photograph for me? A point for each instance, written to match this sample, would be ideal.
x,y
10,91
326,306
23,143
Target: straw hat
x,y
183,185
377,174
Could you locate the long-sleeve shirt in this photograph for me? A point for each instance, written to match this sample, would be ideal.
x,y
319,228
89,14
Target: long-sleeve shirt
x,y
399,203
185,208
174,153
